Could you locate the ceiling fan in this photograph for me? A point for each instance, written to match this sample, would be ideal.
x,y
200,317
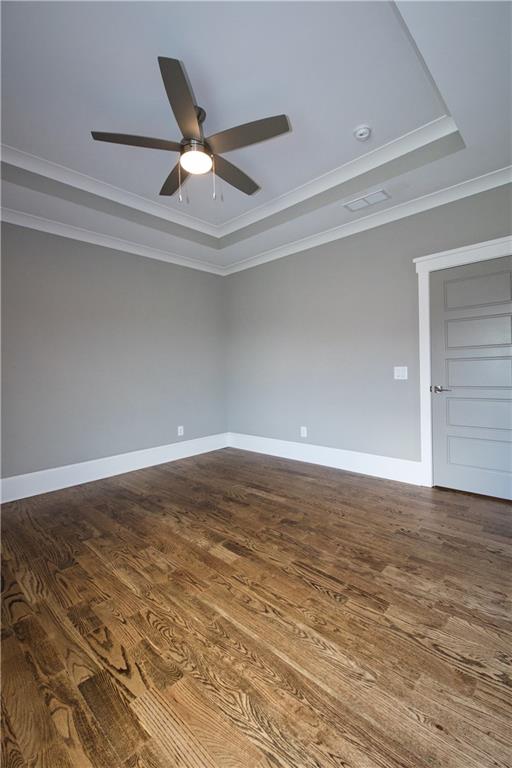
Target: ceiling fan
x,y
197,153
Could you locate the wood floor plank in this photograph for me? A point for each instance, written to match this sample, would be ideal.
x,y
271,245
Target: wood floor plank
x,y
228,746
77,727
171,732
11,753
79,661
29,717
39,646
237,610
110,708
15,605
150,756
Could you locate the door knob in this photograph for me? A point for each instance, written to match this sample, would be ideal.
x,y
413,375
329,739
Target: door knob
x,y
437,388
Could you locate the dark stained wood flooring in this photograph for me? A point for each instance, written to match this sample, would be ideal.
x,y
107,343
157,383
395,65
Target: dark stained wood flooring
x,y
242,611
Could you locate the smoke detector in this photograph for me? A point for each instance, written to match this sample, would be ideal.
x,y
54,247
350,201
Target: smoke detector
x,y
362,132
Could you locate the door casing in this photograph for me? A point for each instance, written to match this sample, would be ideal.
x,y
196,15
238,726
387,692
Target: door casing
x,y
469,254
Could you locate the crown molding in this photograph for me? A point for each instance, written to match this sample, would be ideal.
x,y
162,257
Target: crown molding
x,y
418,205
467,188
409,142
64,175
30,221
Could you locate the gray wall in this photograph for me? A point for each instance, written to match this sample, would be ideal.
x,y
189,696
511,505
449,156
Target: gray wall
x,y
313,338
104,352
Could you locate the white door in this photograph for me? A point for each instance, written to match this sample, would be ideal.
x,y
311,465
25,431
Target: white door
x,y
471,331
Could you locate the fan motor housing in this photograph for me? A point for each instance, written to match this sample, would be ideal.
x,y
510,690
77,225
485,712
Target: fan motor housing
x,y
195,145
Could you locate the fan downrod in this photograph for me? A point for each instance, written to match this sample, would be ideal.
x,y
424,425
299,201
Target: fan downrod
x,y
201,114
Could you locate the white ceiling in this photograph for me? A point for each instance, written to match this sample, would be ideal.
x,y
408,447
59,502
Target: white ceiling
x,y
71,67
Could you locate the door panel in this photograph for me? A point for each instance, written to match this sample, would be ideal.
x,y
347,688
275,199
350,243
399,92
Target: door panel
x,y
478,453
483,413
479,290
479,331
479,372
471,331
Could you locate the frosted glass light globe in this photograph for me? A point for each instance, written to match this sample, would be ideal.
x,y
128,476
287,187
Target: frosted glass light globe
x,y
196,161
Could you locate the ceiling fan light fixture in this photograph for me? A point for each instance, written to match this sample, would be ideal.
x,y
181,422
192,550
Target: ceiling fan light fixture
x,y
198,154
195,159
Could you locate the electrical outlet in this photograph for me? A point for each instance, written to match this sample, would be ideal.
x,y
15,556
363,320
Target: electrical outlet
x,y
181,431
303,431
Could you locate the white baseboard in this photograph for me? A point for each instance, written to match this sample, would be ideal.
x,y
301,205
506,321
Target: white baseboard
x,y
33,483
46,480
403,470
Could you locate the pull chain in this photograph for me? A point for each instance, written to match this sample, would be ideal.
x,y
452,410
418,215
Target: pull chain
x,y
214,180
180,196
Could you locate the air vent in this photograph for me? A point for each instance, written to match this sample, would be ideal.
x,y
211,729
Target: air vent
x,y
364,202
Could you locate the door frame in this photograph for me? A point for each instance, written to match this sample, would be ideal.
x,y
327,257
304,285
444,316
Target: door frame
x,y
468,254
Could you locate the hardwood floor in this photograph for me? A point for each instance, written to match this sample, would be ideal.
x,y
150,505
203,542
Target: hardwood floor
x,y
242,611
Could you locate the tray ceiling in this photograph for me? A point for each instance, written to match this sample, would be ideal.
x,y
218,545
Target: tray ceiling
x,y
68,68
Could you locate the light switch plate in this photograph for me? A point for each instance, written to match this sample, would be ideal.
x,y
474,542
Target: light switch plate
x,y
400,372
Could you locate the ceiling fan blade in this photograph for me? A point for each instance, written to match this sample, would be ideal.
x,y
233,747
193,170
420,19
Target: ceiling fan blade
x,y
249,133
172,182
235,176
180,95
136,141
